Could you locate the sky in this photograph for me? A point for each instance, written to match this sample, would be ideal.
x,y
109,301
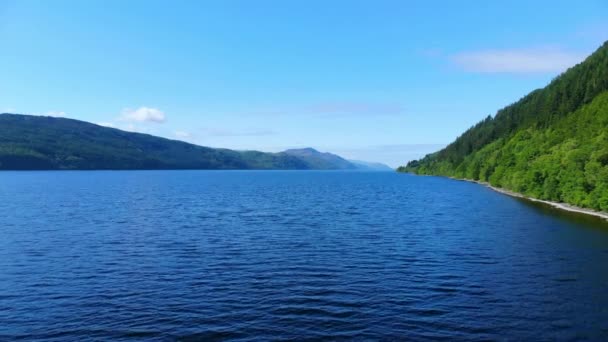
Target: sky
x,y
383,81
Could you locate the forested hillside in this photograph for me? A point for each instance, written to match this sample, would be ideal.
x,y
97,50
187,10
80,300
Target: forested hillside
x,y
320,160
47,143
552,144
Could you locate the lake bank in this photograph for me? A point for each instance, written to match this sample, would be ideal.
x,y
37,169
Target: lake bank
x,y
558,205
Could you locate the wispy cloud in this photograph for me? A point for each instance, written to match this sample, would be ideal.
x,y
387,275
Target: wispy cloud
x,y
143,114
355,108
219,132
135,128
595,33
182,134
431,52
335,109
55,113
535,60
416,148
106,124
136,120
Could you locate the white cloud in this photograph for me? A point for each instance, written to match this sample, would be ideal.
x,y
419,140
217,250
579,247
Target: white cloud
x,y
106,124
55,113
135,129
130,128
182,134
219,132
355,108
336,109
594,33
143,114
517,60
431,52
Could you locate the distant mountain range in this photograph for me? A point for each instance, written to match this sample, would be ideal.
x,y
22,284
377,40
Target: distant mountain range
x,y
371,166
320,160
325,160
47,143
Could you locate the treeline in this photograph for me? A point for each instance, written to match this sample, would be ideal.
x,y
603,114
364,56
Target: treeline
x,y
552,144
46,143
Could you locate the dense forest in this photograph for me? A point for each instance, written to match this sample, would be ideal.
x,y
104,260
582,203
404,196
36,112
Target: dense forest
x,y
47,143
552,144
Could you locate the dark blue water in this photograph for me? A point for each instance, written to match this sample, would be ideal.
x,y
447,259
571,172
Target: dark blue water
x,y
207,255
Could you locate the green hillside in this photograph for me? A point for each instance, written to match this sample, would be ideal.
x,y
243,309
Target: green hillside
x,y
552,144
320,160
47,143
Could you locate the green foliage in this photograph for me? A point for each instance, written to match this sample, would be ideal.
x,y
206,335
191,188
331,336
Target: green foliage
x,y
552,144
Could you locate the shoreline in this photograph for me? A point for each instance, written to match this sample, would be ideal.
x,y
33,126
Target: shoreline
x,y
558,205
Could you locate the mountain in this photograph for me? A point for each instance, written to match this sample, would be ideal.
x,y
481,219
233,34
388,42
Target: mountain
x,y
363,165
47,143
321,160
552,144
327,161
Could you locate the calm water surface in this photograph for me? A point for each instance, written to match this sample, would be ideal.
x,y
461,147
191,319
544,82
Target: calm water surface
x,y
213,255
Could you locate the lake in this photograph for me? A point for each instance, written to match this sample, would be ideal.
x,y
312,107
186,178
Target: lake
x,y
258,255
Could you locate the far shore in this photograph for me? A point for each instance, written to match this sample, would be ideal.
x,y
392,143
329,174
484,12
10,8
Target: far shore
x,y
558,205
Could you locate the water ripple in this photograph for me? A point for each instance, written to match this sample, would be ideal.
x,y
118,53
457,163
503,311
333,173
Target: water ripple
x,y
204,256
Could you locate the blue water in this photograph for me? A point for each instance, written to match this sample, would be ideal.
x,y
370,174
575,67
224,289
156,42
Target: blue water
x,y
214,255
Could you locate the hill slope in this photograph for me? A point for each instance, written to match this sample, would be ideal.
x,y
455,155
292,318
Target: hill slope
x,y
47,143
363,165
320,160
552,144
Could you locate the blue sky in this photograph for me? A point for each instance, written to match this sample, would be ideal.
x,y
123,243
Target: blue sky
x,y
375,80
